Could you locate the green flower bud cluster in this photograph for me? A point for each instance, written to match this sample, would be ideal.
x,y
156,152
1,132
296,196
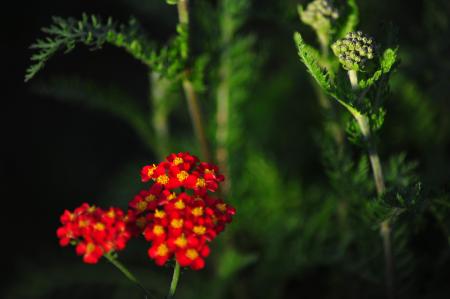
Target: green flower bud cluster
x,y
354,50
319,14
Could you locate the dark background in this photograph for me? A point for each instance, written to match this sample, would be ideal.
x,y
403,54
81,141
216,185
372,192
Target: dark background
x,y
55,155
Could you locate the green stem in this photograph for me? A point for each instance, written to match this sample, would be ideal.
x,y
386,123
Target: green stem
x,y
190,93
324,43
222,118
174,283
127,273
223,100
363,123
196,118
183,11
385,226
385,231
158,101
353,79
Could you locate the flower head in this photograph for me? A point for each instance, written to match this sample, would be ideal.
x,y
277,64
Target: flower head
x,y
354,50
183,170
319,14
94,231
182,218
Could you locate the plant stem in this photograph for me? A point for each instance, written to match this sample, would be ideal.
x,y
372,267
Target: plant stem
x,y
174,283
385,226
363,122
190,93
158,101
223,100
324,42
353,79
127,273
385,231
222,118
183,11
196,118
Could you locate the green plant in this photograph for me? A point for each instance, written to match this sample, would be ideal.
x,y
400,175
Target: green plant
x,y
323,194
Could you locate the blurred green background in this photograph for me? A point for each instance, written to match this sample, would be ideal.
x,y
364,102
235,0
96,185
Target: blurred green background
x,y
284,241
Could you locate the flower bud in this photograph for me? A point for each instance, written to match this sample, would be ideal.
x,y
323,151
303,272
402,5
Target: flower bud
x,y
319,14
354,50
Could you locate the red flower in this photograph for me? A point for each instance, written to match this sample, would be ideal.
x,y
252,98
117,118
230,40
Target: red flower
x,y
94,231
177,223
177,214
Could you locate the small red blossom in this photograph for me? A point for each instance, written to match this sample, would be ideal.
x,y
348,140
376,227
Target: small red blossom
x,y
181,218
94,231
184,170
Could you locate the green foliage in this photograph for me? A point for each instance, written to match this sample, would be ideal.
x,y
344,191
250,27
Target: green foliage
x,y
322,76
387,62
65,34
421,121
172,58
440,209
309,57
238,68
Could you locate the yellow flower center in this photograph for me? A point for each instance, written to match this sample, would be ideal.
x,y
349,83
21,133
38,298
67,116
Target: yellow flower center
x,y
181,242
141,206
151,170
111,214
171,196
158,230
182,175
71,216
162,250
150,198
198,211
176,223
90,247
199,230
180,205
99,226
83,223
177,161
192,254
162,179
200,183
221,207
160,214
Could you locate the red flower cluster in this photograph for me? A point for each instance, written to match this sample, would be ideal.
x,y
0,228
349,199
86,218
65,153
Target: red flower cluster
x,y
177,214
180,224
94,231
181,170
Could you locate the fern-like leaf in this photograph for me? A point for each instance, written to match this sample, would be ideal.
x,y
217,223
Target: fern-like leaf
x,y
387,61
64,34
309,57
